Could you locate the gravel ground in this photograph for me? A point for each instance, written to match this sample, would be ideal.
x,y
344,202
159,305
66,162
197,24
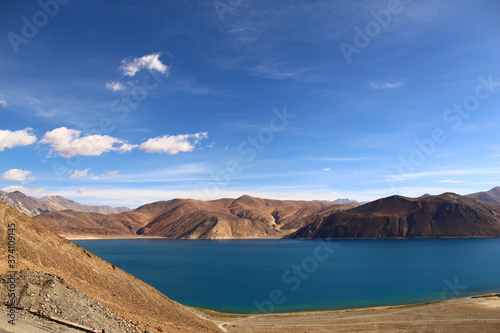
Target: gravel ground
x,y
41,296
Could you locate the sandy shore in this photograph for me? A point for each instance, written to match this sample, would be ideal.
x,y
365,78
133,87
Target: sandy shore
x,y
470,314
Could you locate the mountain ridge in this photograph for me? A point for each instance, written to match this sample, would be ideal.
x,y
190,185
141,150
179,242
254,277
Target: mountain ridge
x,y
243,217
445,215
32,206
492,195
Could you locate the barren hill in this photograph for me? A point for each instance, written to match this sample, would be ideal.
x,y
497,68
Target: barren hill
x,y
186,218
445,215
492,195
32,206
123,294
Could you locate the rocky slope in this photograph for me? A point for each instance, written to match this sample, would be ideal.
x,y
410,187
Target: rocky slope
x,y
446,215
32,206
185,218
492,195
54,301
123,294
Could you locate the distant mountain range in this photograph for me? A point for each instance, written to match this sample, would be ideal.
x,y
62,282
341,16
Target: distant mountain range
x,y
32,206
341,201
445,215
244,217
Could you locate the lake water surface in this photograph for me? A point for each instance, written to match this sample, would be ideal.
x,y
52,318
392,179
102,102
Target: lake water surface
x,y
252,276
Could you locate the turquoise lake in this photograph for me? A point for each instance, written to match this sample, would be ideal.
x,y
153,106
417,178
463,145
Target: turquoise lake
x,y
253,276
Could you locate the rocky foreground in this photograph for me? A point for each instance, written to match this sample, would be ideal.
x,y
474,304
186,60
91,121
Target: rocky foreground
x,y
97,294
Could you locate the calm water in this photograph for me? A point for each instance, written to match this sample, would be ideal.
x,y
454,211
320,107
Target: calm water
x,y
246,276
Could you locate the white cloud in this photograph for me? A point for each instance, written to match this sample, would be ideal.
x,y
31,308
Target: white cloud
x,y
9,139
450,181
25,190
18,175
126,147
130,67
85,173
79,174
68,143
173,144
327,169
385,85
3,102
115,85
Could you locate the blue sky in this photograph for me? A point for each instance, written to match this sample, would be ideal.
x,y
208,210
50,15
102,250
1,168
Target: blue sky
x,y
129,102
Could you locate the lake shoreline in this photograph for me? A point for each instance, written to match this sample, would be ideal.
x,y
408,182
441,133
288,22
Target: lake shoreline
x,y
96,237
466,314
312,312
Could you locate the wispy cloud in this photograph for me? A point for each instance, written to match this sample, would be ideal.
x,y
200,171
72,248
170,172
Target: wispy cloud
x,y
274,72
109,174
151,62
436,173
386,85
79,174
450,181
115,85
3,102
340,159
85,173
179,173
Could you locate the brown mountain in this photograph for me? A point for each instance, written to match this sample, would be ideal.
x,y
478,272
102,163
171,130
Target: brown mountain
x,y
445,215
186,218
492,195
70,266
32,206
